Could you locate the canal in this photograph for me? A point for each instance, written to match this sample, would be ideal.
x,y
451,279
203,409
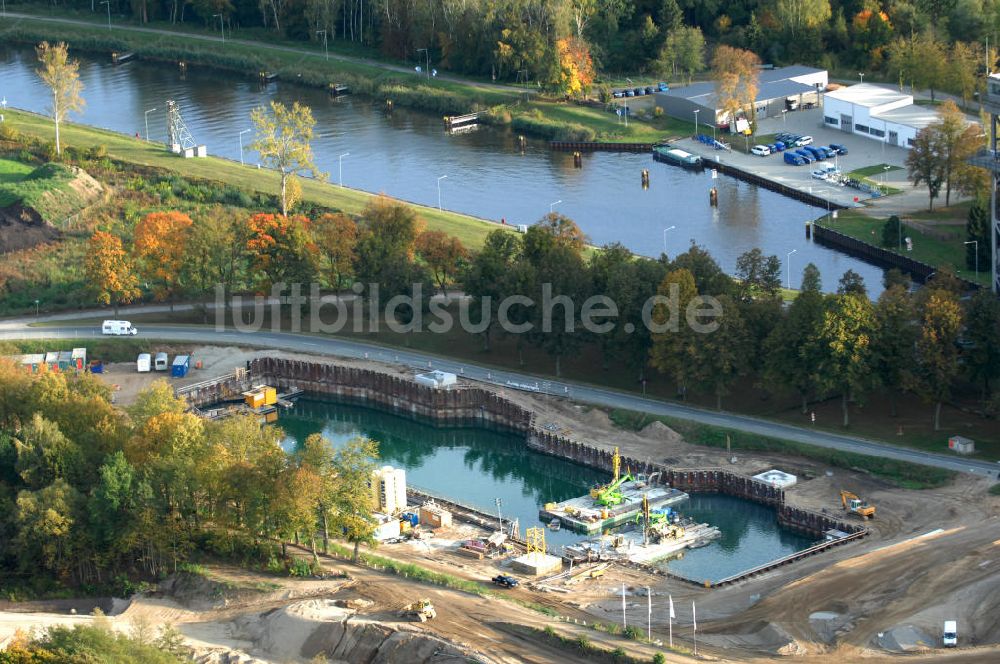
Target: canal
x,y
404,153
475,465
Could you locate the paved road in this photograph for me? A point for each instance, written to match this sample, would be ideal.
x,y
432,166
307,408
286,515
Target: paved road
x,y
264,46
608,398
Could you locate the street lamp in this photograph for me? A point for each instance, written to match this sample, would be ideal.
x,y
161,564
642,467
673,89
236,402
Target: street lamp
x,y
665,237
340,175
439,190
862,75
553,204
784,111
499,516
976,248
222,27
789,267
108,3
427,60
696,120
325,50
36,308
145,117
241,145
885,172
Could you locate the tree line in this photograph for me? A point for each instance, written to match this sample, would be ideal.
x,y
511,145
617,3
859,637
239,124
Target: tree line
x,y
927,43
90,492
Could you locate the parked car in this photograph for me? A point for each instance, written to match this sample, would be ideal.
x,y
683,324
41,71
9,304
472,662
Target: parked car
x,y
804,140
839,149
629,93
806,156
816,152
760,150
780,145
617,94
663,87
505,580
793,159
650,89
640,92
820,173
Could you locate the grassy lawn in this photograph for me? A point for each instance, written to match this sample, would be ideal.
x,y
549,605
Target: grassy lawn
x,y
609,126
926,249
877,169
470,230
11,172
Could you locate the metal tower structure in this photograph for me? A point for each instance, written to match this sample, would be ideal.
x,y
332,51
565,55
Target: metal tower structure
x,y
990,159
179,138
535,540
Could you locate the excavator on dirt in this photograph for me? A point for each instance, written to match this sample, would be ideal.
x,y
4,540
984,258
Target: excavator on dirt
x,y
422,610
854,505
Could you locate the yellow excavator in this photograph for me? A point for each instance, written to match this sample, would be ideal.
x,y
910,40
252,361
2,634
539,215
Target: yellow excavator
x,y
855,505
422,610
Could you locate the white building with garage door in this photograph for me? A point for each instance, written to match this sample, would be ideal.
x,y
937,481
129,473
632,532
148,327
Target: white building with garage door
x,y
875,112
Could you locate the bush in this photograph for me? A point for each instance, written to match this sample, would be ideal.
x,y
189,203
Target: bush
x,y
583,643
536,124
301,568
659,658
618,654
8,133
635,633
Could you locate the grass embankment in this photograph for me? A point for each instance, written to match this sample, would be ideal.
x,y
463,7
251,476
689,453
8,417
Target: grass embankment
x,y
939,250
870,174
44,189
305,62
469,230
900,473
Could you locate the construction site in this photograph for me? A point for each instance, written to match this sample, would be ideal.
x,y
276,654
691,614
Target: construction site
x,y
878,570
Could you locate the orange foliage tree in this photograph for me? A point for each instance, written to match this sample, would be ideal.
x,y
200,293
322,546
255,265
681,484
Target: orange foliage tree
x,y
576,69
280,250
443,254
109,271
160,245
336,238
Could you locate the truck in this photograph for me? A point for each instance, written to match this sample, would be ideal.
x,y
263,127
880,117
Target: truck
x,y
422,610
505,580
950,638
118,328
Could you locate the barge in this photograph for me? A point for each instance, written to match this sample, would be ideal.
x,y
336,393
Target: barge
x,y
671,155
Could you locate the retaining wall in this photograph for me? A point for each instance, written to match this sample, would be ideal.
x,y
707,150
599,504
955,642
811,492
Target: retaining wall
x,y
767,183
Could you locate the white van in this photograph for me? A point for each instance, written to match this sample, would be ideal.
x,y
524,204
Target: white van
x,y
160,362
950,638
118,328
142,363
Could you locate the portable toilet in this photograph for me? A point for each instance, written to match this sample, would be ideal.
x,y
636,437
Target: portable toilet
x,y
65,360
160,362
181,366
79,358
142,362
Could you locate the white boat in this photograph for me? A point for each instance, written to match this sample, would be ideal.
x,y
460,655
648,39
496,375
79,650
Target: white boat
x,y
555,524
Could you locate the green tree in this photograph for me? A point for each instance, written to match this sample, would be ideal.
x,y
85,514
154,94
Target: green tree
x,y
811,279
44,454
721,357
977,231
893,341
282,137
487,279
983,334
709,278
671,350
799,15
353,465
386,239
759,275
958,142
926,162
852,283
47,528
846,334
935,364
216,257
892,231
62,75
895,277
794,351
683,52
336,237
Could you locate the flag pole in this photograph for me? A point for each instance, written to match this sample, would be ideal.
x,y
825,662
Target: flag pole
x,y
649,614
671,620
694,625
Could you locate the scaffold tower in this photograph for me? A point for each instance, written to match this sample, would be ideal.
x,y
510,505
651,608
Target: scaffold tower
x,y
179,138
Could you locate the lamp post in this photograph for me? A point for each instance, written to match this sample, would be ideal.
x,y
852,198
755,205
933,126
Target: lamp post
x,y
862,75
885,172
784,111
36,308
108,3
789,267
439,190
325,49
145,118
427,60
553,205
696,120
340,175
499,516
665,237
241,145
976,248
222,27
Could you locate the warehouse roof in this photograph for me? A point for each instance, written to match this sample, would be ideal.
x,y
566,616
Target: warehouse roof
x,y
704,92
914,116
868,95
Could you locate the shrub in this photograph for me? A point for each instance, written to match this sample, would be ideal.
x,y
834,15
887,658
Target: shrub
x,y
8,133
635,633
583,643
659,658
657,113
301,568
618,654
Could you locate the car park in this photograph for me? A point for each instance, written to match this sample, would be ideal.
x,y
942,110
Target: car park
x,y
760,150
817,153
820,173
839,149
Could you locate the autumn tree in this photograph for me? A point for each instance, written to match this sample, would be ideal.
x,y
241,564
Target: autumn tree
x,y
799,15
336,239
282,138
62,75
935,364
110,273
386,240
959,141
160,246
576,69
443,253
736,77
280,250
353,465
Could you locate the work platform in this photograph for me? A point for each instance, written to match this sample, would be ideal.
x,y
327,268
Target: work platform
x,y
583,514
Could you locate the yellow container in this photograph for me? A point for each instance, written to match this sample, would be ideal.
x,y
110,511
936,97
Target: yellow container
x,y
270,396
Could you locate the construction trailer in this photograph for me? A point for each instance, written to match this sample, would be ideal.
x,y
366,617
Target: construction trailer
x,y
181,366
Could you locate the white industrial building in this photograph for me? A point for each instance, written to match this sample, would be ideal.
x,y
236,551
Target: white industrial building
x,y
388,486
876,112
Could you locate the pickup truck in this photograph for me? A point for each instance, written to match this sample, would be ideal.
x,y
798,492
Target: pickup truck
x,y
505,581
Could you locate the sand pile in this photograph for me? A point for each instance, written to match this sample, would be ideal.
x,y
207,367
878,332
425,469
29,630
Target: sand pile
x,y
660,432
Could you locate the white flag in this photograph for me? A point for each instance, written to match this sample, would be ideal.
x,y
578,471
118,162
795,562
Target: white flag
x,y
673,616
694,617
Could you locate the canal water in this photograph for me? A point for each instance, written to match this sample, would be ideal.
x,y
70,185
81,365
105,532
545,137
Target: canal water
x,y
403,154
475,465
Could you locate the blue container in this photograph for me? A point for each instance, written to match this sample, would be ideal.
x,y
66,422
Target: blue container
x,y
181,366
411,517
97,367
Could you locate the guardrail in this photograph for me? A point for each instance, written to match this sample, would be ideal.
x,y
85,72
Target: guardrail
x,y
205,383
798,555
